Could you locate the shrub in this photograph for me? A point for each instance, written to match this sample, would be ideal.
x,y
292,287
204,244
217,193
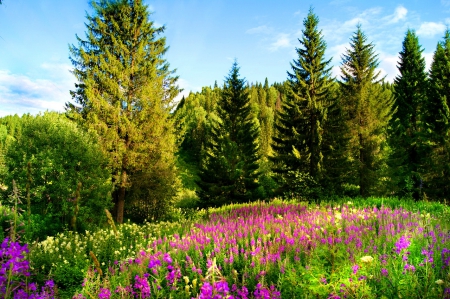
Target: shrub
x,y
61,156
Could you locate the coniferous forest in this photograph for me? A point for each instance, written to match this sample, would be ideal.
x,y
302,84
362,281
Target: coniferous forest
x,y
314,187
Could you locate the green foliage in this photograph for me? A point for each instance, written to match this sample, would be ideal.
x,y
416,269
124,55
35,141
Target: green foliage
x,y
229,168
304,128
65,257
302,186
368,106
125,94
437,115
61,156
407,124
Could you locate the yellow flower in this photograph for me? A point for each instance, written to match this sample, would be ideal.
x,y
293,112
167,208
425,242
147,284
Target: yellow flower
x,y
439,281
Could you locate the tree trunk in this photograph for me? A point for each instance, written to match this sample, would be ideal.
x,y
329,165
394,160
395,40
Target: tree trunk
x,y
121,198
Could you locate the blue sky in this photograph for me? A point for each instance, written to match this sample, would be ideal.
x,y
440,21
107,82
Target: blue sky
x,y
204,36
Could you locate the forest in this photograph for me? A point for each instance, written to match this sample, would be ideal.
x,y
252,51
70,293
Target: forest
x,y
225,193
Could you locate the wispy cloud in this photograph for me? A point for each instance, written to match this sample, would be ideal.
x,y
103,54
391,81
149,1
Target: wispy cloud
x,y
259,30
22,93
388,66
445,2
430,29
365,18
187,88
282,41
399,15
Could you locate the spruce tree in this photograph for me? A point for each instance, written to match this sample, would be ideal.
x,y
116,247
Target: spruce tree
x,y
230,163
406,138
437,121
368,105
125,94
298,143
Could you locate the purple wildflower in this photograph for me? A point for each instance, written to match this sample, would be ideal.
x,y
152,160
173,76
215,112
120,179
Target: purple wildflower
x,y
142,287
167,258
401,244
104,293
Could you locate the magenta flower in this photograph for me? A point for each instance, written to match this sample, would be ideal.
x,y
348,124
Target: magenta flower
x,y
167,258
401,244
142,287
104,293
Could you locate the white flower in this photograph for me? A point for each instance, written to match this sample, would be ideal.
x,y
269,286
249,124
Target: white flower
x,y
439,281
367,259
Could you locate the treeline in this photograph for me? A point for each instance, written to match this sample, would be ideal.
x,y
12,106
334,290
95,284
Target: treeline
x,y
356,135
124,145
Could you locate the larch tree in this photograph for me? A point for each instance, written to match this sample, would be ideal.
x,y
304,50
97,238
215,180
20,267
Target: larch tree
x,y
437,121
406,137
125,92
298,144
368,105
229,169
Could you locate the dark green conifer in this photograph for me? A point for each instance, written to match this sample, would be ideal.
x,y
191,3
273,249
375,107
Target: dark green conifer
x,y
437,117
405,138
230,163
298,144
368,105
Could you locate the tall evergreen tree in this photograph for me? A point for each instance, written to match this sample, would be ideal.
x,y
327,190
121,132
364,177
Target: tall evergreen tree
x,y
368,105
407,128
437,119
230,164
125,94
298,144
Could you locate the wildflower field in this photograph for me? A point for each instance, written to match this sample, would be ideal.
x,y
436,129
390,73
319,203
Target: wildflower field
x,y
363,249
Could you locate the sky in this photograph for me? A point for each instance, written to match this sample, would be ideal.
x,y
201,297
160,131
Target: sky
x,y
204,38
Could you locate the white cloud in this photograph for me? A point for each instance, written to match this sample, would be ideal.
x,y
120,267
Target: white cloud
x,y
282,41
187,88
428,58
366,18
337,51
24,94
399,14
430,29
388,66
258,30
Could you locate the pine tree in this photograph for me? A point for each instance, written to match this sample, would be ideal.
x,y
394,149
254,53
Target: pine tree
x,y
407,127
368,105
298,143
437,119
230,164
125,94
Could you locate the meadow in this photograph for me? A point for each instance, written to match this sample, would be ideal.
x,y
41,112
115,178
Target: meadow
x,y
363,248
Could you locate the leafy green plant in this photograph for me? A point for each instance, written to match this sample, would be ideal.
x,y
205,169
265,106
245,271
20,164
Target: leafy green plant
x,y
49,160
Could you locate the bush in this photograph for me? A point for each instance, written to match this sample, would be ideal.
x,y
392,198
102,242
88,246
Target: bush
x,y
61,156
